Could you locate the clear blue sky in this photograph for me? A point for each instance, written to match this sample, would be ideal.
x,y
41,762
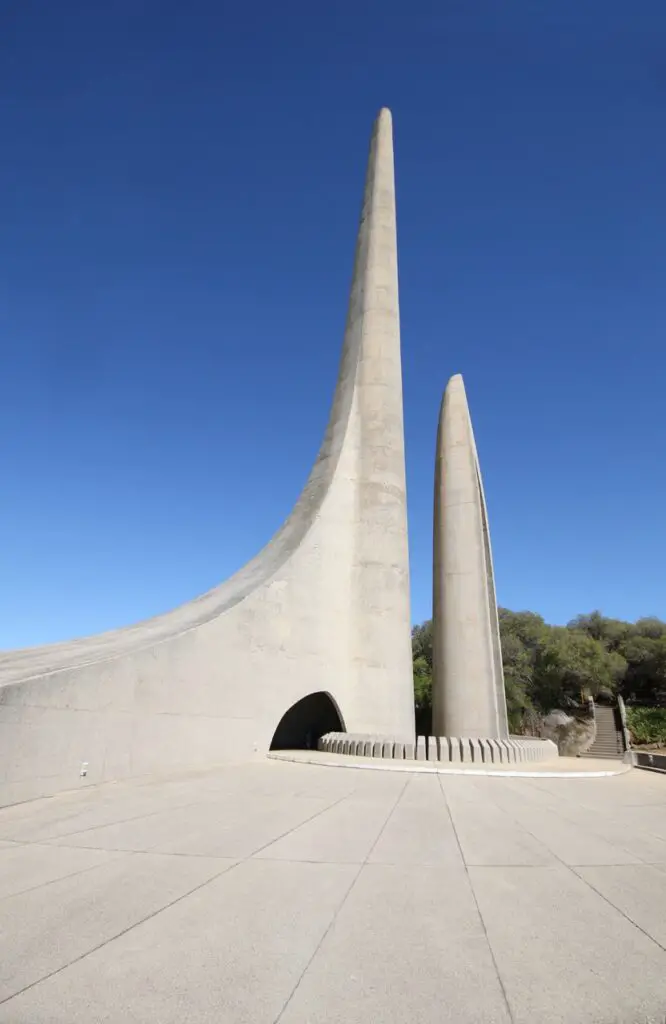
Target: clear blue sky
x,y
179,192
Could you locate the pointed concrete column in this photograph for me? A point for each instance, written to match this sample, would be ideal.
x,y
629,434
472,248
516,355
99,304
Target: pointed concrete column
x,y
382,653
468,681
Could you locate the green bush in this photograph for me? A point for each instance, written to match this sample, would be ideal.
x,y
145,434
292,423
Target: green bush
x,y
647,725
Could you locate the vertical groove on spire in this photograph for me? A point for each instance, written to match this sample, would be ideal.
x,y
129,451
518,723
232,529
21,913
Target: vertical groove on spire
x,y
498,667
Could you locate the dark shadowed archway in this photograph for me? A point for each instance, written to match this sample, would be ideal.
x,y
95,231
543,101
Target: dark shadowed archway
x,y
306,721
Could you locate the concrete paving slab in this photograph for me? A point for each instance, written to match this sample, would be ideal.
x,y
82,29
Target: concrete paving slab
x,y
485,833
233,951
233,828
382,925
563,953
407,957
44,929
27,867
93,809
635,818
236,830
608,819
635,891
568,842
419,831
344,835
625,812
72,813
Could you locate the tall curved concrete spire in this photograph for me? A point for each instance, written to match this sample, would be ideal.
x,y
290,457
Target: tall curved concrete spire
x,y
468,681
324,607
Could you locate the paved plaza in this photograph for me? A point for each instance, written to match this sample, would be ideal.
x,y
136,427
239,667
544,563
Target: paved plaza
x,y
294,893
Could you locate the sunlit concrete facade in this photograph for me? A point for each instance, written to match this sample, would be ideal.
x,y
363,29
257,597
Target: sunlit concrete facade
x,y
324,607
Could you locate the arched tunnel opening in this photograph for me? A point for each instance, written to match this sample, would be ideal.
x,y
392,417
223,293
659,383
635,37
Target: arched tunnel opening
x,y
306,721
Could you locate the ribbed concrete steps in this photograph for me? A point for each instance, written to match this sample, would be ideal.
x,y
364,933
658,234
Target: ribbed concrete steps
x,y
441,749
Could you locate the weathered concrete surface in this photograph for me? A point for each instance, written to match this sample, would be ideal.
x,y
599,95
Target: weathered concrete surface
x,y
468,683
279,892
324,607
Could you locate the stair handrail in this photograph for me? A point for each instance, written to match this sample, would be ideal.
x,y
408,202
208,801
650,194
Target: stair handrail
x,y
626,735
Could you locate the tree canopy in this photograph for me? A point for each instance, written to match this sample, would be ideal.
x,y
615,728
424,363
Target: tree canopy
x,y
548,667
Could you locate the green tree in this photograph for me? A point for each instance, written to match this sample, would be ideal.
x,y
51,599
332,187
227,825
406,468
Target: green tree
x,y
610,632
518,663
546,667
422,665
568,665
422,642
645,677
521,634
651,627
528,627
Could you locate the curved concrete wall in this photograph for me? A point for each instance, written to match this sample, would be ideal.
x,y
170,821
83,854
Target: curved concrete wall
x,y
325,606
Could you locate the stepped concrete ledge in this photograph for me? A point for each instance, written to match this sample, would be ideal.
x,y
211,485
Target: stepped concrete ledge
x,y
557,768
444,749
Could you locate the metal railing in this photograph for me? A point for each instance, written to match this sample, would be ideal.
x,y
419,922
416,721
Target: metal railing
x,y
649,760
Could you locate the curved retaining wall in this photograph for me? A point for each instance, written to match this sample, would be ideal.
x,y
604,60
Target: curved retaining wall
x,y
451,749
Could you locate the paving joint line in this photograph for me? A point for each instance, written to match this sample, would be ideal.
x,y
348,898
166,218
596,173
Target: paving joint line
x,y
167,906
594,809
51,840
344,899
295,828
122,854
118,935
580,878
610,903
500,980
591,831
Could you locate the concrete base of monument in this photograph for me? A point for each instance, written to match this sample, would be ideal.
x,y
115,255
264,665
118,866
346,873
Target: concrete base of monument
x,y
557,768
446,749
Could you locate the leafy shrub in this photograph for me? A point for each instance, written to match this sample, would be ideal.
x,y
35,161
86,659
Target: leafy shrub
x,y
647,725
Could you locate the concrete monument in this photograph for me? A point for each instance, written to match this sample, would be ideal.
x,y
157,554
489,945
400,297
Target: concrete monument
x,y
468,682
469,717
311,636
